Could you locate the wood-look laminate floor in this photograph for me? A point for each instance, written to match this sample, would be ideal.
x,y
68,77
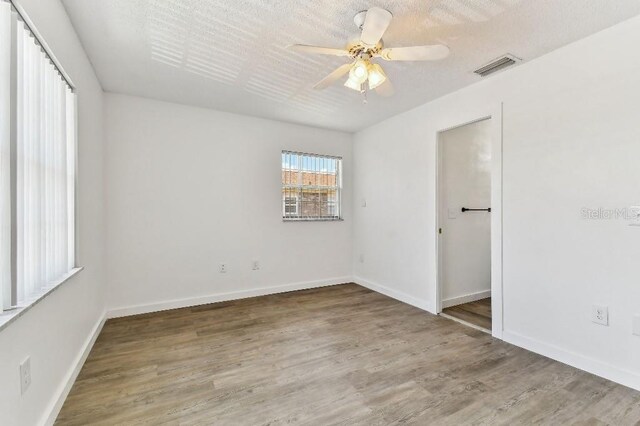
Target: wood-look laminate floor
x,y
335,355
477,313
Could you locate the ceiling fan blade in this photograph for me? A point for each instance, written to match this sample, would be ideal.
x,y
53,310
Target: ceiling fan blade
x,y
303,48
385,89
415,53
375,24
333,77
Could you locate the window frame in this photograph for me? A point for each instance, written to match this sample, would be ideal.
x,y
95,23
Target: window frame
x,y
337,203
12,309
295,203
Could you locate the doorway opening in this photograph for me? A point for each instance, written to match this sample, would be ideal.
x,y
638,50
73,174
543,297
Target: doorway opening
x,y
465,174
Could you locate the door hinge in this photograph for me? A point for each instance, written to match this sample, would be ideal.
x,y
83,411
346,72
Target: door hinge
x,y
439,230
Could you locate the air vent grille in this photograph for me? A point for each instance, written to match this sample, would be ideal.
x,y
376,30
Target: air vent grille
x,y
496,65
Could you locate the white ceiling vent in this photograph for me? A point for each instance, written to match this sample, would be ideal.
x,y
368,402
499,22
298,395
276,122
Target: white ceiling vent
x,y
497,65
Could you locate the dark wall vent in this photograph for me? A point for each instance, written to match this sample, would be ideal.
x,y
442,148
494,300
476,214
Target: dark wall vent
x,y
497,65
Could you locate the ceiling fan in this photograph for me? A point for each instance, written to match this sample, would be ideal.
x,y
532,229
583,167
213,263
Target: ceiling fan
x,y
373,23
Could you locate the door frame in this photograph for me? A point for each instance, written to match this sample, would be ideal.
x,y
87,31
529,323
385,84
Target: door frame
x,y
497,305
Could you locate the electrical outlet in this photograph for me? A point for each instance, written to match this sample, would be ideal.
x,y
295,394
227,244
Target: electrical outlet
x,y
25,375
600,315
256,265
223,268
636,325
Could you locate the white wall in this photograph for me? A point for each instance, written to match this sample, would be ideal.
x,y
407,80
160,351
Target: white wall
x,y
571,140
464,180
55,331
191,188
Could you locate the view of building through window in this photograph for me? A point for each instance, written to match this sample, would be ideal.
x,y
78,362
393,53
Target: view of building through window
x,y
310,186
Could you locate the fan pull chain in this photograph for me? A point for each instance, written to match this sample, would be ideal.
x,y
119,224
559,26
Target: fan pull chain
x,y
363,91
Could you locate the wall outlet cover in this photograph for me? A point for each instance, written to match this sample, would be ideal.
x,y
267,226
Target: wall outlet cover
x,y
600,315
223,268
25,375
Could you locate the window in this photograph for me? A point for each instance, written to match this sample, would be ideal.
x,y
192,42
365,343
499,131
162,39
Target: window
x,y
311,186
37,165
290,206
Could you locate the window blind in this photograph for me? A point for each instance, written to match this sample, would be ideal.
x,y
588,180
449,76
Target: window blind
x,y
311,186
37,182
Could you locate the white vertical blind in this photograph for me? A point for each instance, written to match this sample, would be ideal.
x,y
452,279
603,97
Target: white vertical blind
x,y
71,133
37,165
5,159
45,142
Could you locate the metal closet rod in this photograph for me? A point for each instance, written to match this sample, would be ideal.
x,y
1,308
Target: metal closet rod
x,y
465,209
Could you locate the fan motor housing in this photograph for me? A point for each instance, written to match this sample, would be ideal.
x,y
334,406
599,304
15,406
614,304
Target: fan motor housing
x,y
357,49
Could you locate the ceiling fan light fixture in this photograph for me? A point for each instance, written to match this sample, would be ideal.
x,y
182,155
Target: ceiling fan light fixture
x,y
373,24
353,84
359,71
376,76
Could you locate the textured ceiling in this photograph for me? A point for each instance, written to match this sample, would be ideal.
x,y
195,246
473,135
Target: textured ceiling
x,y
230,54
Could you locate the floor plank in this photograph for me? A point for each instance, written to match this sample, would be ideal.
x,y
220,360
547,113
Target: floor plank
x,y
477,313
334,355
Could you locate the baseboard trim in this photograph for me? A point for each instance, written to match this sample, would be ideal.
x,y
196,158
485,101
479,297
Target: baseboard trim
x,y
223,297
472,297
395,294
581,362
52,413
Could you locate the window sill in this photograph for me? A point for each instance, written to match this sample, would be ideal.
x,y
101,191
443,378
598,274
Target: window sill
x,y
9,316
313,220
